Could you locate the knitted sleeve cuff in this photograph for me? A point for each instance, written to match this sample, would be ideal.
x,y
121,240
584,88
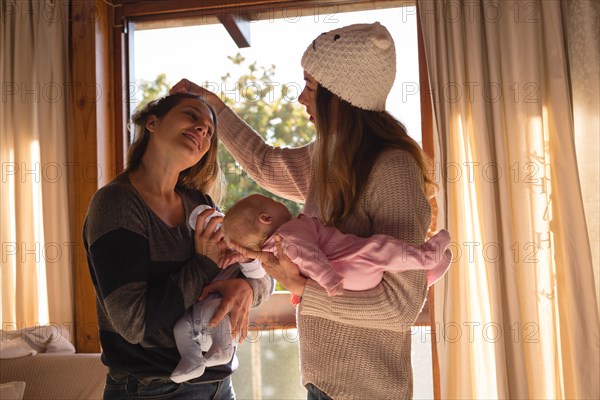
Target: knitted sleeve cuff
x,y
314,300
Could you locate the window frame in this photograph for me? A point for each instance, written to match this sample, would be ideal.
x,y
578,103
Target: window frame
x,y
112,51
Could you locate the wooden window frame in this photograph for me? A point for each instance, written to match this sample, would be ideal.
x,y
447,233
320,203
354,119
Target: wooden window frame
x,y
100,44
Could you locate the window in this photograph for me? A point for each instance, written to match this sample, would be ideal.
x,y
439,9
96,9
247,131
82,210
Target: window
x,y
274,28
200,48
262,78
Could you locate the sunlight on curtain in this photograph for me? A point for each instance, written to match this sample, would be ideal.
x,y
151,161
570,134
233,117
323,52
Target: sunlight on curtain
x,y
581,25
537,174
480,351
36,266
8,272
520,291
38,233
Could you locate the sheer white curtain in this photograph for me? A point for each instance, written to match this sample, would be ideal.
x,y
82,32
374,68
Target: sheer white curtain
x,y
583,44
516,315
36,270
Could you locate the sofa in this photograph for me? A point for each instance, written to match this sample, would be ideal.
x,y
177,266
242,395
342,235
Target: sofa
x,y
56,376
40,363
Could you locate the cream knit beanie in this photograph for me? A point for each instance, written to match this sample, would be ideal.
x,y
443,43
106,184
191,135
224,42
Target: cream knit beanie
x,y
356,62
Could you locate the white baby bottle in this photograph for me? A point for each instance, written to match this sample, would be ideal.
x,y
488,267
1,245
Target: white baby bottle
x,y
196,211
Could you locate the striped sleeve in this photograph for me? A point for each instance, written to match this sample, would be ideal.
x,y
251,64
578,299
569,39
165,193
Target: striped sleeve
x,y
138,303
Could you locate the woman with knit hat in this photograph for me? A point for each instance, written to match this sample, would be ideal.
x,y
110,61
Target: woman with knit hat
x,y
364,175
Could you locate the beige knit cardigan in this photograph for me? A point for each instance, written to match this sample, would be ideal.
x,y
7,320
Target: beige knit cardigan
x,y
358,345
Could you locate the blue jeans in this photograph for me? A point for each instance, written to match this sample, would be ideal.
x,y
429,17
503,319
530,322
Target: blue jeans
x,y
130,387
315,394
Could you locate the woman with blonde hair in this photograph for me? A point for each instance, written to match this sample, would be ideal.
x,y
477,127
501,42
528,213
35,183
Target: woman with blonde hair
x,y
364,175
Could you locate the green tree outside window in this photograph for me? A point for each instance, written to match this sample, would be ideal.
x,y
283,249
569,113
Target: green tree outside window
x,y
271,107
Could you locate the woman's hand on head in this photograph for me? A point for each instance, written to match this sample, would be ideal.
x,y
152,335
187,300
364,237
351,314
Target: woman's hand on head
x,y
186,86
208,240
279,266
237,300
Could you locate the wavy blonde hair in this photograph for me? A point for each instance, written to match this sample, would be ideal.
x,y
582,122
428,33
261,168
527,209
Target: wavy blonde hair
x,y
206,174
349,139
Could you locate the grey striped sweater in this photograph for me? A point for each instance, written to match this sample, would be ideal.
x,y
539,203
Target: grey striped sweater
x,y
146,274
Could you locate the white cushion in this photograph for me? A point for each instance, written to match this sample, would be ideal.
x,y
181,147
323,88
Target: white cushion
x,y
12,390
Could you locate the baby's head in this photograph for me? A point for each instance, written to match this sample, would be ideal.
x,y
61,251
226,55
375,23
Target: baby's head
x,y
253,219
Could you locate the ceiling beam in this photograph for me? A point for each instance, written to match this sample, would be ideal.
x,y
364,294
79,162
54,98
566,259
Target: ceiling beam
x,y
238,27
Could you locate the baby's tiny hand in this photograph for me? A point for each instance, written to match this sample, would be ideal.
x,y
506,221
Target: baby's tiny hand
x,y
231,257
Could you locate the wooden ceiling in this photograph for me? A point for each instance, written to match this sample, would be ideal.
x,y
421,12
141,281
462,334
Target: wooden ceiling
x,y
234,15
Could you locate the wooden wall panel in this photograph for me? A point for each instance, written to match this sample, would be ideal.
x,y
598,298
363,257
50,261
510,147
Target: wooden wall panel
x,y
91,143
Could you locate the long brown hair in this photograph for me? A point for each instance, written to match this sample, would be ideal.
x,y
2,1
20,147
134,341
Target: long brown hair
x,y
349,139
201,176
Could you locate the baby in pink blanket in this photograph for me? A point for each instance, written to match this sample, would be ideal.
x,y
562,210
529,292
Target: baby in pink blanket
x,y
335,260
